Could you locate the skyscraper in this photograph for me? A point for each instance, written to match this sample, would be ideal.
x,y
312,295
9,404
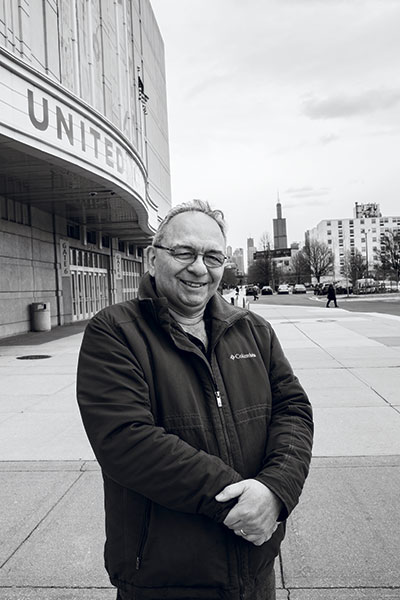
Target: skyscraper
x,y
280,236
250,251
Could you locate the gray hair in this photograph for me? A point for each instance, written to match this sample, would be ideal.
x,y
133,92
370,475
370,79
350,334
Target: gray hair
x,y
191,206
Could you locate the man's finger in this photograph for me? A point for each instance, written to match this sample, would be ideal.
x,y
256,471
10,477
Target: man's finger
x,y
231,491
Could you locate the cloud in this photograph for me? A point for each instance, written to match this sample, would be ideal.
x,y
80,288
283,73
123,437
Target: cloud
x,y
308,195
328,138
347,106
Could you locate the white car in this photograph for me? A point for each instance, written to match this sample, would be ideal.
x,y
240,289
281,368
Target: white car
x,y
284,288
299,288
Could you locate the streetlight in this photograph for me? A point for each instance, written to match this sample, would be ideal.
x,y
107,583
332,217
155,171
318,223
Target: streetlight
x,y
366,250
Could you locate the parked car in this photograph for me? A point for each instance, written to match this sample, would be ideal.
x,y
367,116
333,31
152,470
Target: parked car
x,y
342,287
387,286
321,289
252,289
299,288
266,290
366,286
283,288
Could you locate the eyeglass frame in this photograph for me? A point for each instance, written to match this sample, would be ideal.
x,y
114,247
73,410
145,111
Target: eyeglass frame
x,y
195,254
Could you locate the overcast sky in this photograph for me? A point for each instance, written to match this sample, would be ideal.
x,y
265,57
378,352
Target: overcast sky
x,y
300,96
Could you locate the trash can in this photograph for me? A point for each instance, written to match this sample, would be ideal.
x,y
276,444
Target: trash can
x,y
40,316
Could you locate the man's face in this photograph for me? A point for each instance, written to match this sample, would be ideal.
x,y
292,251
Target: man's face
x,y
188,288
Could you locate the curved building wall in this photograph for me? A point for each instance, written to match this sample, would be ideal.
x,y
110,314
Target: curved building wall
x,y
84,156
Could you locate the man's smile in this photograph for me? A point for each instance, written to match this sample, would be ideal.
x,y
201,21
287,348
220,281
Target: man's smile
x,y
193,284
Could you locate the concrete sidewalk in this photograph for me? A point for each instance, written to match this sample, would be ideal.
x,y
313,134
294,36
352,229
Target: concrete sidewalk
x,y
343,539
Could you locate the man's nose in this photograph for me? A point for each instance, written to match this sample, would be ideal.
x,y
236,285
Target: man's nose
x,y
198,267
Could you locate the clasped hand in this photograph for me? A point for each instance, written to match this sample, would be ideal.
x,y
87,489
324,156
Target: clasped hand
x,y
254,517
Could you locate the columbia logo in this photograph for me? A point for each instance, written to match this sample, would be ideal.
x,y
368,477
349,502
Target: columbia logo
x,y
238,356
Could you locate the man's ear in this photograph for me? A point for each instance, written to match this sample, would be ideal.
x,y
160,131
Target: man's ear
x,y
150,256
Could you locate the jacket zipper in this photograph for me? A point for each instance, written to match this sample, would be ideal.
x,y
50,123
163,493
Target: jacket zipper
x,y
218,398
143,536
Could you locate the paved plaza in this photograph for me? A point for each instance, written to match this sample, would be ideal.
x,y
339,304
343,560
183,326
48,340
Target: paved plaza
x,y
343,540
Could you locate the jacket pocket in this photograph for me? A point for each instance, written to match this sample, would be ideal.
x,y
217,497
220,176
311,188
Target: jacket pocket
x,y
143,535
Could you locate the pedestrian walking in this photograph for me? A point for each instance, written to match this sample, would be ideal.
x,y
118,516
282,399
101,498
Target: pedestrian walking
x,y
255,293
331,295
202,431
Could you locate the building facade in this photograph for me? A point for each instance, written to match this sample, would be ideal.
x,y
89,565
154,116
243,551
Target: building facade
x,y
363,232
84,154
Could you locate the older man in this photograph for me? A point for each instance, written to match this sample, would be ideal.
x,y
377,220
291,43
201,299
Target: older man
x,y
202,431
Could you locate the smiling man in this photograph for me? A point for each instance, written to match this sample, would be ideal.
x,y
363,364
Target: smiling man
x,y
203,456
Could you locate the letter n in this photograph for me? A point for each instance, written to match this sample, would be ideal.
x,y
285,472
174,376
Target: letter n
x,y
68,127
44,123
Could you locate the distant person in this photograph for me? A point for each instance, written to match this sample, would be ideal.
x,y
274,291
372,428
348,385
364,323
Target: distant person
x,y
202,431
237,290
255,293
331,295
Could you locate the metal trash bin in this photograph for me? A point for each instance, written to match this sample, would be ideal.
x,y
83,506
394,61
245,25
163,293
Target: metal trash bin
x,y
40,316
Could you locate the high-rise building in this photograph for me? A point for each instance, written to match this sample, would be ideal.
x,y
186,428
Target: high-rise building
x,y
362,232
251,249
84,155
238,258
279,224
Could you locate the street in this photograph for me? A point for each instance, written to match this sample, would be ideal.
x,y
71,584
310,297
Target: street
x,y
388,304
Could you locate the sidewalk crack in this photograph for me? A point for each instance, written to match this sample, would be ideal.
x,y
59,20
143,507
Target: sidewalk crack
x,y
41,520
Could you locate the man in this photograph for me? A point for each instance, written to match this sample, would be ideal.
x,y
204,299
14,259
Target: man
x,y
201,429
331,295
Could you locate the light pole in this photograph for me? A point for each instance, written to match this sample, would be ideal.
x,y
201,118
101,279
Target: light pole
x,y
366,250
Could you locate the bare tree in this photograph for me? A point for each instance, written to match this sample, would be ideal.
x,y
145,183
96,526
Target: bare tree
x,y
300,267
229,277
319,258
390,253
261,270
355,265
265,241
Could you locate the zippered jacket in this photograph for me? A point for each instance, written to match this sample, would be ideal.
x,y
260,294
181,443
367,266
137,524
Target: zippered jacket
x,y
172,427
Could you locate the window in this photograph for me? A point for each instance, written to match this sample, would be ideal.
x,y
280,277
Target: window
x,y
329,241
121,246
105,241
73,231
328,223
329,232
11,210
91,237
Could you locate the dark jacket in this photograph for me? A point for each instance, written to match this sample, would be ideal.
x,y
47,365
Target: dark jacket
x,y
331,292
171,428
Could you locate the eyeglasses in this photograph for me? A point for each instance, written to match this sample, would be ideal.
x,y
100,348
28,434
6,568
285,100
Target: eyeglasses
x,y
187,256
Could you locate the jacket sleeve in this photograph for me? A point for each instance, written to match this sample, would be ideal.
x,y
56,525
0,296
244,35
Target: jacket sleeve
x,y
290,433
114,401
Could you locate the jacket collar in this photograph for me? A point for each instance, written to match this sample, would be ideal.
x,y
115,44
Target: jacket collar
x,y
218,310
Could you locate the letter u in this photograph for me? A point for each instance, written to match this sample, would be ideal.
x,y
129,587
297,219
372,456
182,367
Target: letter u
x,y
42,125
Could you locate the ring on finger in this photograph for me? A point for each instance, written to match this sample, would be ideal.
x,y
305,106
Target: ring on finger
x,y
242,532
